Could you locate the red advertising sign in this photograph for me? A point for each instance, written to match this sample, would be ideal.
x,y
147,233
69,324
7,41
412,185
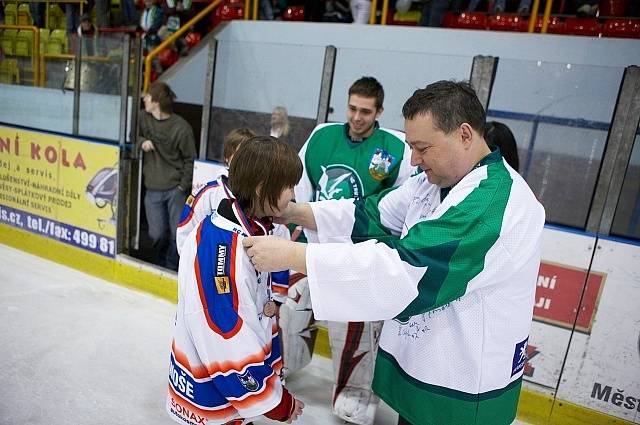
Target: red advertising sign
x,y
558,293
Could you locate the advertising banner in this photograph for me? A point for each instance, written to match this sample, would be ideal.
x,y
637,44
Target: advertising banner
x,y
563,271
60,187
602,370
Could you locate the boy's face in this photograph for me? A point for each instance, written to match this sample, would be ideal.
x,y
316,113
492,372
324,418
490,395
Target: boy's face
x,y
149,3
276,210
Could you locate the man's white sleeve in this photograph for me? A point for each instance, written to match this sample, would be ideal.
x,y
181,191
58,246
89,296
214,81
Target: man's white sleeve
x,y
359,282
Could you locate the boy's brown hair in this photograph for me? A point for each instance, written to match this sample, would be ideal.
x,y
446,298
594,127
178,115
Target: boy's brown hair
x,y
161,92
266,163
234,139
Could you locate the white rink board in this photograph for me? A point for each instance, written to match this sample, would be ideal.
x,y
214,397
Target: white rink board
x,y
610,355
548,342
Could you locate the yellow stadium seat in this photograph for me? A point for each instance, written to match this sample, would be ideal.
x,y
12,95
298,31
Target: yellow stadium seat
x,y
24,43
9,71
24,15
57,42
10,14
8,41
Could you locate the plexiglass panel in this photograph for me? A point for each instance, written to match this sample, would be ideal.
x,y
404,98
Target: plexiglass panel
x,y
100,85
254,78
560,115
410,71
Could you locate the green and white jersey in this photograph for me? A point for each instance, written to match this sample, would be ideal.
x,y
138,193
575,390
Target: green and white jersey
x,y
454,277
337,168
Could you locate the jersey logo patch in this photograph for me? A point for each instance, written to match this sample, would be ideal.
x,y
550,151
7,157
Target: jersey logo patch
x,y
221,278
249,382
381,164
222,284
338,181
519,357
190,201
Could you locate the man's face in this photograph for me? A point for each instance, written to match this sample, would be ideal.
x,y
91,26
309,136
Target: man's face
x,y
149,104
439,155
276,210
362,115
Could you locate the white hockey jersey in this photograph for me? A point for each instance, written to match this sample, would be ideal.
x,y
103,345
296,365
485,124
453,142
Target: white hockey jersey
x,y
454,276
205,202
225,355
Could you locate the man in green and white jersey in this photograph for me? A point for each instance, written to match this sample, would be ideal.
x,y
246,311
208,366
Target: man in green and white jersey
x,y
449,260
355,159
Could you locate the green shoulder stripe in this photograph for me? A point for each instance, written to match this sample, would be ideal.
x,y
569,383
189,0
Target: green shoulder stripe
x,y
367,219
454,246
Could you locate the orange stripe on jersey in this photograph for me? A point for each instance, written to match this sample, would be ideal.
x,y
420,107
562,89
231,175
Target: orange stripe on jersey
x,y
185,408
237,366
198,372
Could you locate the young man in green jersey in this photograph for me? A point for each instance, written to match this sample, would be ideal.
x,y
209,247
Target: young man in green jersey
x,y
354,160
449,260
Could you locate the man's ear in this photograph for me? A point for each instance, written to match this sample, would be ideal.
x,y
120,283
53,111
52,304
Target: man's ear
x,y
379,112
466,134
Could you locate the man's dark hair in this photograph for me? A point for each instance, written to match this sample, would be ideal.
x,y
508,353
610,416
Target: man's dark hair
x,y
368,87
162,93
450,104
499,135
267,163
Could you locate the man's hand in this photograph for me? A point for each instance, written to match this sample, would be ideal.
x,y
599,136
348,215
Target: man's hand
x,y
299,213
272,253
297,410
147,146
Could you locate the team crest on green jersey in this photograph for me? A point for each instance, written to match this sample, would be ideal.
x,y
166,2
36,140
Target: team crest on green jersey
x,y
380,164
338,181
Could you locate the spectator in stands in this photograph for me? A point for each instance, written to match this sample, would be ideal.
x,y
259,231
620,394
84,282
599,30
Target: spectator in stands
x,y
150,22
87,35
499,135
280,123
361,11
169,150
129,13
71,15
433,11
266,10
37,13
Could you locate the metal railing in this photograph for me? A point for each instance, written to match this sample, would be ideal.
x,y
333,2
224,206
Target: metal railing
x,y
172,38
